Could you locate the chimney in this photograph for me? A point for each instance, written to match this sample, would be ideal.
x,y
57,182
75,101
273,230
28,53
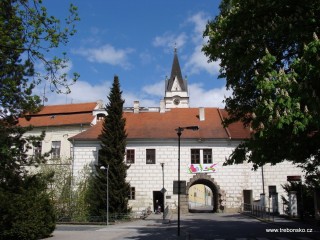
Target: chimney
x,y
201,114
136,107
162,106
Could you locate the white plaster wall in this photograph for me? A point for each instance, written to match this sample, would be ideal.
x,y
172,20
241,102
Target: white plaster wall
x,y
147,178
232,180
60,133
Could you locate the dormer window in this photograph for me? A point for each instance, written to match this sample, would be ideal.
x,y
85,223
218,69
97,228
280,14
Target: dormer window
x,y
100,116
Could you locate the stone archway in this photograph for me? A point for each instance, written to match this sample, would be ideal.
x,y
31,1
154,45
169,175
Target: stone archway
x,y
205,179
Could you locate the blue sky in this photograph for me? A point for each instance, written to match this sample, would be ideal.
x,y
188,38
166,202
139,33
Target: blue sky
x,y
135,40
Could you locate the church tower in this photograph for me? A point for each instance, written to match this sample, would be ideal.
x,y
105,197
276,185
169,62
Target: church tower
x,y
176,88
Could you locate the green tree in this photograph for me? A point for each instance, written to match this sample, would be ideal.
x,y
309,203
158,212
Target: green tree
x,y
28,34
111,155
269,56
59,190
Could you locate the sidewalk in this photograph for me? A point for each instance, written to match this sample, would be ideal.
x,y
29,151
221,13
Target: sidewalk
x,y
289,223
158,218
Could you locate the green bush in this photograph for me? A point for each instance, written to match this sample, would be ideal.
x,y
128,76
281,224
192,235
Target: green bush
x,y
27,213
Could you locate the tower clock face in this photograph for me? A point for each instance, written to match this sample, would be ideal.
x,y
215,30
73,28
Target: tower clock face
x,y
176,101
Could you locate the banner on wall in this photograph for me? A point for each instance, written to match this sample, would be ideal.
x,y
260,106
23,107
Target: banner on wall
x,y
202,168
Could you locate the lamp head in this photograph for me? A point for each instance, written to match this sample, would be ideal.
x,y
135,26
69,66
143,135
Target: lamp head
x,y
104,168
193,128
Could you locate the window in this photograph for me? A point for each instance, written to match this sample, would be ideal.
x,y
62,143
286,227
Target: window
x,y
207,156
55,149
100,116
195,156
201,156
37,149
130,156
151,156
132,193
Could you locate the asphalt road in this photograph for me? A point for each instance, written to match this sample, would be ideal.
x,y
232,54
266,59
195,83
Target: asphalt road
x,y
194,226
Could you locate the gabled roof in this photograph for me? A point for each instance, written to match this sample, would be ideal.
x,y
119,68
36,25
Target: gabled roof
x,y
176,72
59,115
156,125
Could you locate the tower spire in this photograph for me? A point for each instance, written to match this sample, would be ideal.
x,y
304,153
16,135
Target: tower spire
x,y
176,88
176,73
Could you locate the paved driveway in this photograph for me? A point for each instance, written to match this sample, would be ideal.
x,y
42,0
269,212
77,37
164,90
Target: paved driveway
x,y
195,226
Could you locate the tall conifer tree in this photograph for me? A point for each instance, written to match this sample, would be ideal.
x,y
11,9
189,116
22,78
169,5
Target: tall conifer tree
x,y
111,156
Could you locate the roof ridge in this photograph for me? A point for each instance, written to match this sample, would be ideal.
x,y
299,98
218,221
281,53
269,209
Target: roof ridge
x,y
66,104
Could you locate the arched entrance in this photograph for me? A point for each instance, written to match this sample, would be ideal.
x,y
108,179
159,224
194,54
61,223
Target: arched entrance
x,y
205,179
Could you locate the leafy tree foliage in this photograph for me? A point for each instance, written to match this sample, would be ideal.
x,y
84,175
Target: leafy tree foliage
x,y
28,33
269,56
111,156
26,210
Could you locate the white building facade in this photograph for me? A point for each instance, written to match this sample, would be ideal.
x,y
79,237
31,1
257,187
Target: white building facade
x,y
72,132
231,185
59,123
153,142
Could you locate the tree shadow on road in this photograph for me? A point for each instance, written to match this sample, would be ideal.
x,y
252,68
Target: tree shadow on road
x,y
229,226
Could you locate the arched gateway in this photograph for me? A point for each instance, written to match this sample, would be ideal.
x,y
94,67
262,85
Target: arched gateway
x,y
205,179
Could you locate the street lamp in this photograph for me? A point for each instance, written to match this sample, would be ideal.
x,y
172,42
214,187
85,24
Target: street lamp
x,y
103,168
163,190
179,132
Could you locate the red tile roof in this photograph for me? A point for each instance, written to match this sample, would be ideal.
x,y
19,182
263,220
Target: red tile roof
x,y
155,125
58,115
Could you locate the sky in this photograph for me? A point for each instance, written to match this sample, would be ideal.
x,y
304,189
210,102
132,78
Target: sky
x,y
135,40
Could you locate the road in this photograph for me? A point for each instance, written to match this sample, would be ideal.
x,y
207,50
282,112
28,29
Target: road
x,y
195,226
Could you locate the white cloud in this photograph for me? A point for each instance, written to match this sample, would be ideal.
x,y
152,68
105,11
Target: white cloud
x,y
169,40
144,101
156,89
200,97
107,54
150,96
198,61
199,20
81,91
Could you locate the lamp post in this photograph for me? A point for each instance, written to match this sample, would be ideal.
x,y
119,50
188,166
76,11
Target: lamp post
x,y
103,168
179,131
163,190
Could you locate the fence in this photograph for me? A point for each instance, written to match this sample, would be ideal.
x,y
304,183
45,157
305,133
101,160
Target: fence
x,y
114,217
265,213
